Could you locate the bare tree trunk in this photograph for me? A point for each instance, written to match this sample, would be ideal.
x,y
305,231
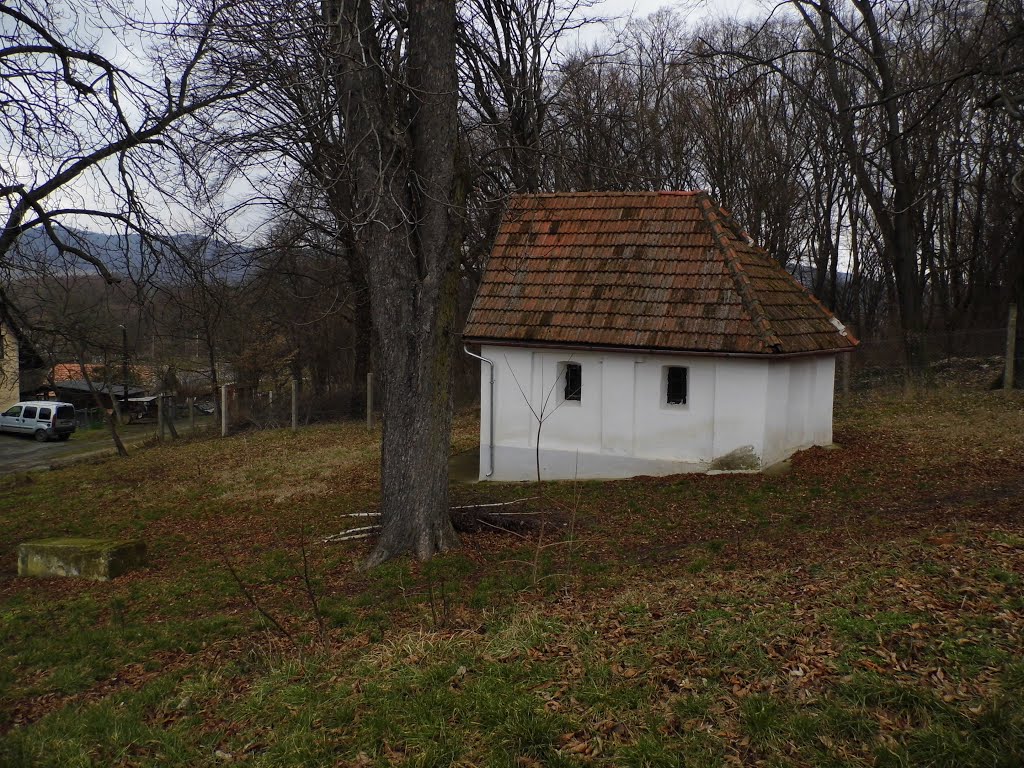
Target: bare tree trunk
x,y
401,140
1017,296
169,418
414,459
417,325
211,357
416,349
111,417
1011,347
895,214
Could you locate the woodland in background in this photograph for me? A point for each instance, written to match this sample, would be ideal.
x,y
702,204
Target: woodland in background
x,y
870,147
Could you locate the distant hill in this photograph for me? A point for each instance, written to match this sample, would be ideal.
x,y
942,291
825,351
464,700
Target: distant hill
x,y
132,256
806,274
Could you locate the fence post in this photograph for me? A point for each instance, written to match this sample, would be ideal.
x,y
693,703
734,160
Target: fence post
x,y
1011,347
160,415
295,405
191,414
224,410
369,400
846,375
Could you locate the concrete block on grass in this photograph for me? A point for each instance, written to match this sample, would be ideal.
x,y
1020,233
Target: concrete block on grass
x,y
98,559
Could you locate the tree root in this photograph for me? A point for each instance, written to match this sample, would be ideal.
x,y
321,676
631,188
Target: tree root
x,y
467,518
477,519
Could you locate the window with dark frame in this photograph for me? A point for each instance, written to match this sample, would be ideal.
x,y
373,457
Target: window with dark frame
x,y
675,388
573,381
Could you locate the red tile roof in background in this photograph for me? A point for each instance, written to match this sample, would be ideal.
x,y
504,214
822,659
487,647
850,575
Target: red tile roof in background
x,y
73,372
641,270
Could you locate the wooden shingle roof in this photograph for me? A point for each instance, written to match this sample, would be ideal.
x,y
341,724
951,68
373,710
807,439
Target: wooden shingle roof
x,y
641,270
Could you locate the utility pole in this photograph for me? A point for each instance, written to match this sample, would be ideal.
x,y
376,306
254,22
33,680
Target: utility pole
x,y
124,368
369,400
224,410
1011,347
295,404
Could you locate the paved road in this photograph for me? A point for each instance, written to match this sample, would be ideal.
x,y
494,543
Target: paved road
x,y
22,453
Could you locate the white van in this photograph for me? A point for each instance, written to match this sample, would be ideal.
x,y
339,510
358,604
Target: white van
x,y
44,419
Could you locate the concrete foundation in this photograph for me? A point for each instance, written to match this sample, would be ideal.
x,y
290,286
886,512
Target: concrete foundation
x,y
97,559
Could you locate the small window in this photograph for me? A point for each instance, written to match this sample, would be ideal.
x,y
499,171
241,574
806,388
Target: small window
x,y
65,412
675,385
13,412
44,414
573,382
30,412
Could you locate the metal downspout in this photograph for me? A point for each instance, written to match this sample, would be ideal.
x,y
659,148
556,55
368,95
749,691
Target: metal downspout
x,y
490,469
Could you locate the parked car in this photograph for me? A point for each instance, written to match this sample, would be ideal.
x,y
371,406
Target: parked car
x,y
44,419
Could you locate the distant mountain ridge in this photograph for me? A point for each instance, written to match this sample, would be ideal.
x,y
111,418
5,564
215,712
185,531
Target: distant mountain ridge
x,y
131,256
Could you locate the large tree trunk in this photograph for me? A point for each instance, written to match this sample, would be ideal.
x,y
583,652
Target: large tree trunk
x,y
401,143
417,327
416,432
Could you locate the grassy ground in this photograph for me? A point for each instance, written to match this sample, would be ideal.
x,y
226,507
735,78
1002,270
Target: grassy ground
x,y
864,609
98,435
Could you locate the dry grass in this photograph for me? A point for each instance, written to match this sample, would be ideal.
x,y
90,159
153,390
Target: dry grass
x,y
864,609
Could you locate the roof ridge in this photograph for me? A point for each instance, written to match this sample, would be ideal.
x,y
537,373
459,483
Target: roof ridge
x,y
614,193
843,329
730,221
739,275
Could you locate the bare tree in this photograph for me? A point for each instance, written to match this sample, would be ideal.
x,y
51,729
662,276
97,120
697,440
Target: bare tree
x,y
286,138
81,134
397,72
197,291
886,72
505,52
74,318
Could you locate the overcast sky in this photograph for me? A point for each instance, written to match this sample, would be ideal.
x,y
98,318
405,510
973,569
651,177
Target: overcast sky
x,y
616,12
693,9
705,7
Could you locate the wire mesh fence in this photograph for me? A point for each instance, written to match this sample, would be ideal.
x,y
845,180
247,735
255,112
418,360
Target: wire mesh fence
x,y
972,358
246,407
965,358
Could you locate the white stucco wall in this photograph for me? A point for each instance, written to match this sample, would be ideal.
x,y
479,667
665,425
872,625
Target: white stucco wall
x,y
800,414
759,410
622,426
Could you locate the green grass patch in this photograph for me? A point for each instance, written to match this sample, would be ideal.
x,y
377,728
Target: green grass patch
x,y
863,609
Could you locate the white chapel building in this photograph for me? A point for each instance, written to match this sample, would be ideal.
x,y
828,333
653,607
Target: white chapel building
x,y
643,333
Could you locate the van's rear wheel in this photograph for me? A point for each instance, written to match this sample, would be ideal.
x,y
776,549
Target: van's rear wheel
x,y
41,436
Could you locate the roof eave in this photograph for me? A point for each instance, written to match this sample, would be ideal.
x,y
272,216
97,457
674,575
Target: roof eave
x,y
652,350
